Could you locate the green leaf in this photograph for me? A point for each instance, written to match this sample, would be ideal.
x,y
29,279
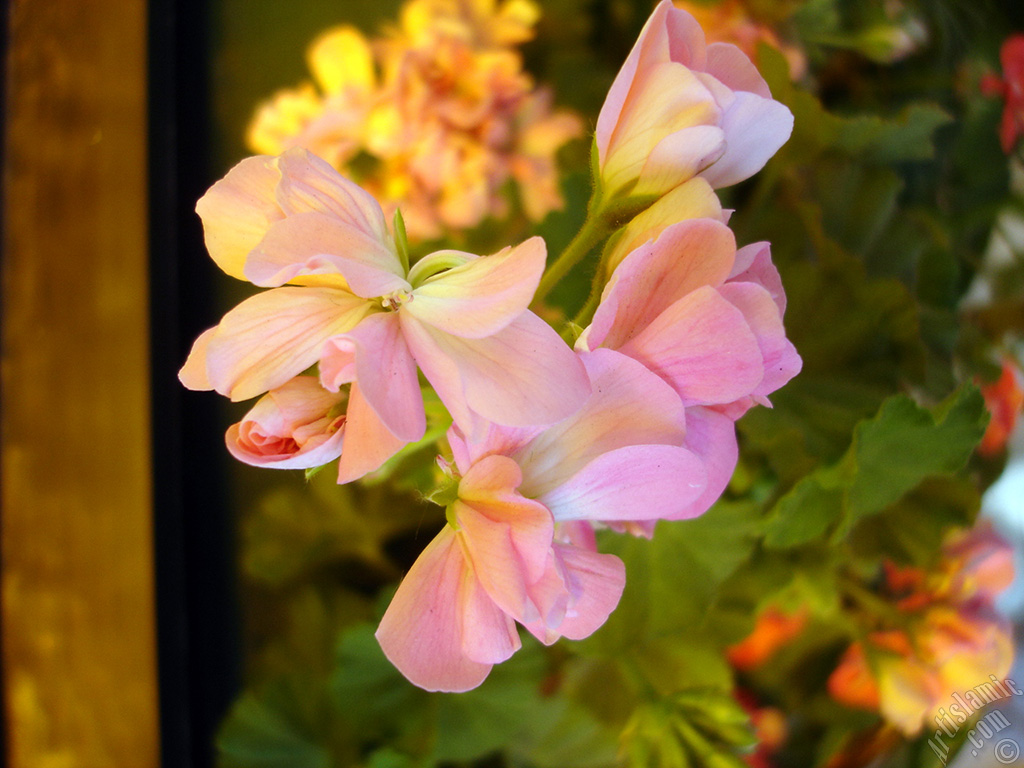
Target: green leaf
x,y
891,454
699,553
905,443
257,736
495,715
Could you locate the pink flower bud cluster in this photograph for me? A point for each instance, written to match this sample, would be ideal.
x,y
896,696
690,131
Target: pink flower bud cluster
x,y
634,425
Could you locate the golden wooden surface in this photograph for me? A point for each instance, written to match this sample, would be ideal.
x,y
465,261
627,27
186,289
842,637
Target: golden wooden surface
x,y
77,581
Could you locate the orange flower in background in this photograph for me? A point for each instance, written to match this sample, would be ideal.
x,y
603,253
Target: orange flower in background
x,y
1004,399
774,629
440,107
952,641
730,21
1011,89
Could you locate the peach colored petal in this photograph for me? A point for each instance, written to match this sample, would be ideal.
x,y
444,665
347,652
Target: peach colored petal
x,y
193,373
730,66
679,157
318,244
292,427
275,335
385,371
238,210
694,199
780,358
482,296
368,441
309,184
754,265
712,437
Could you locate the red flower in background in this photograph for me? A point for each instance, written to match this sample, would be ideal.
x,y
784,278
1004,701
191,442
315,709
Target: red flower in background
x,y
1004,398
1011,89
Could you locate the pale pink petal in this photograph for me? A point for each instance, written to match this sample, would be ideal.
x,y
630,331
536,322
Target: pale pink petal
x,y
712,437
295,426
755,128
679,157
482,296
730,65
422,630
669,34
468,448
489,634
780,359
193,373
550,597
275,335
670,99
582,588
507,545
636,482
703,347
385,371
523,375
318,244
238,210
754,265
368,441
490,488
596,581
309,184
629,406
685,257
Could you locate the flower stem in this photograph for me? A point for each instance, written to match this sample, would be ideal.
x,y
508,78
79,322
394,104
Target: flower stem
x,y
593,231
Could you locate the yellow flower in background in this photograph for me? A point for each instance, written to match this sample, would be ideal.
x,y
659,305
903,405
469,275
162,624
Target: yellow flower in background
x,y
441,109
327,118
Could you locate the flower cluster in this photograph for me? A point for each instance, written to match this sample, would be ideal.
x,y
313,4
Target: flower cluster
x,y
952,638
547,442
441,105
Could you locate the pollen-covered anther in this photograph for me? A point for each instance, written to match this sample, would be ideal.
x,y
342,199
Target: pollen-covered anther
x,y
396,299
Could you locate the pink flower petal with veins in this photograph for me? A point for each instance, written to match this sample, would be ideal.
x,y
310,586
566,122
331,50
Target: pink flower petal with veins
x,y
437,615
523,375
273,336
482,296
368,441
385,371
636,482
702,346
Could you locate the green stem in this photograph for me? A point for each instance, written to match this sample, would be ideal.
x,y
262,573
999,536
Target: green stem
x,y
586,313
593,231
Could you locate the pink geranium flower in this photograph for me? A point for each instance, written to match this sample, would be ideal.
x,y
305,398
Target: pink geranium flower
x,y
679,108
342,298
708,320
519,547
